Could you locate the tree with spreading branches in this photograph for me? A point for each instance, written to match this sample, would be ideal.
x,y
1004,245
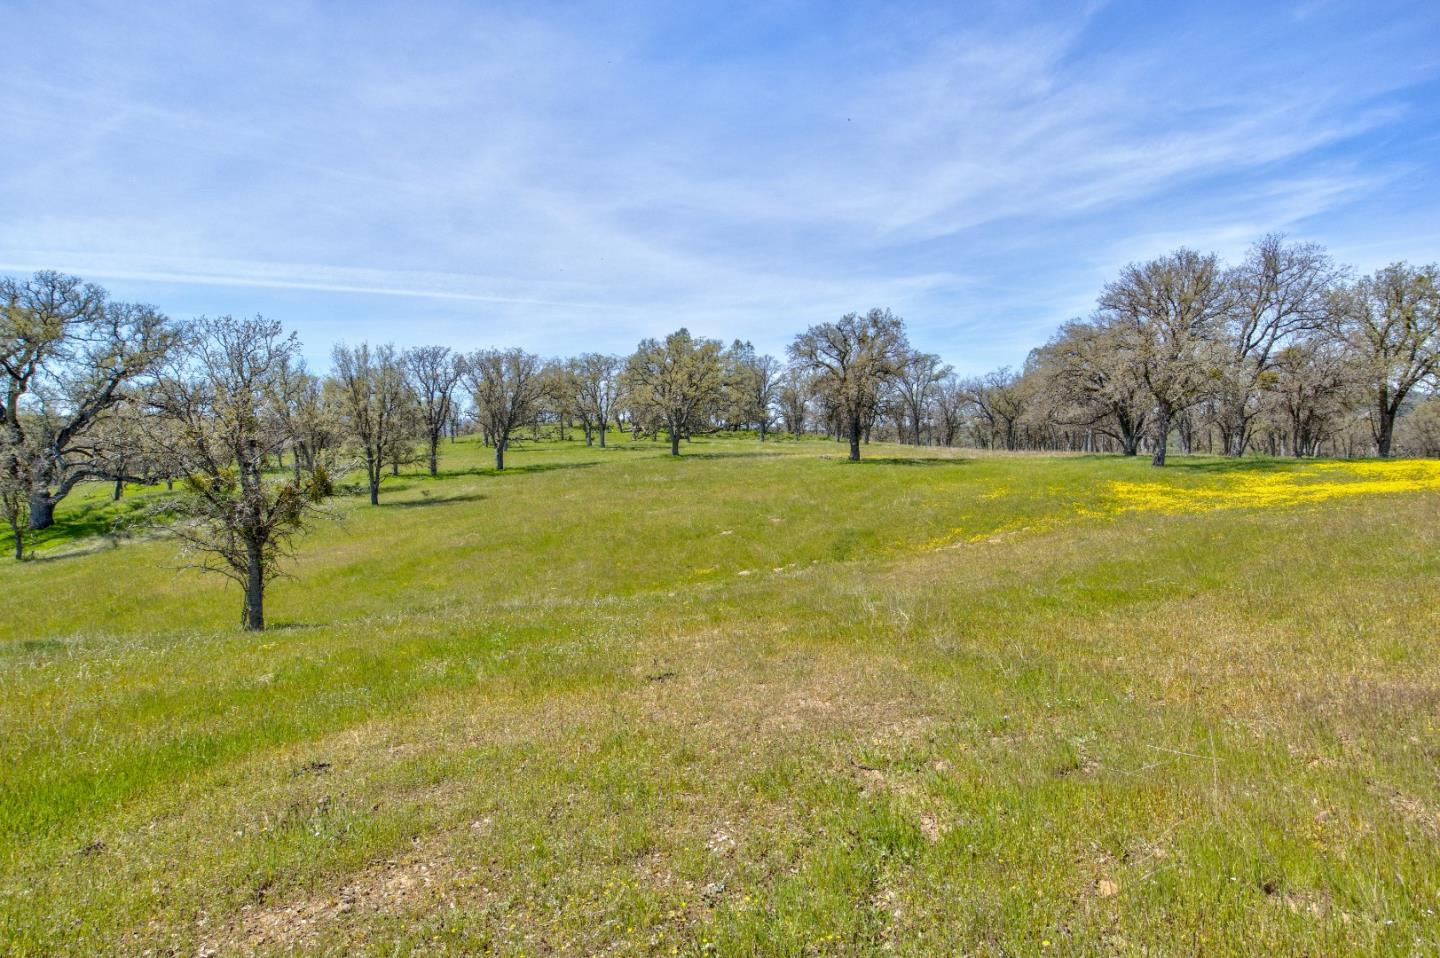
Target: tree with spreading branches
x,y
852,360
69,356
221,397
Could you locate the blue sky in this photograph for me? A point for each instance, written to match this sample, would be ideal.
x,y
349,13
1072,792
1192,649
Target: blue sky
x,y
574,177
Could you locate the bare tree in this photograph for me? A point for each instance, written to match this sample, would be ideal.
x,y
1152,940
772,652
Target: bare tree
x,y
793,399
1173,307
998,400
917,377
222,395
434,373
312,421
1280,290
679,381
949,409
119,450
599,387
1310,391
1086,376
852,360
1390,321
506,386
68,356
373,401
754,382
1418,434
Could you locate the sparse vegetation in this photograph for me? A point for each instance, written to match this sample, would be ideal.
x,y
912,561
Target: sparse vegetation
x,y
757,700
768,699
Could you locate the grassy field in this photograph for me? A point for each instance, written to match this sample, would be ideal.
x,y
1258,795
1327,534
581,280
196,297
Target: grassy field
x,y
754,701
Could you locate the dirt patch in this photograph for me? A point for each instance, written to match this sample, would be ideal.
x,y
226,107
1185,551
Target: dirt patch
x,y
402,885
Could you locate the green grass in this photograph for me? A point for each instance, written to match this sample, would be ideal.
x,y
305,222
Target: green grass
x,y
754,701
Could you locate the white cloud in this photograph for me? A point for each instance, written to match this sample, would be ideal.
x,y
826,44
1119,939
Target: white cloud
x,y
579,173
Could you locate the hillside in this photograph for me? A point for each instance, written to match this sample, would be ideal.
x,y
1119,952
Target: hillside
x,y
754,700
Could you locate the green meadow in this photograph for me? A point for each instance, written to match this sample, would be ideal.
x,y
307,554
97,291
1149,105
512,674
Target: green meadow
x,y
756,700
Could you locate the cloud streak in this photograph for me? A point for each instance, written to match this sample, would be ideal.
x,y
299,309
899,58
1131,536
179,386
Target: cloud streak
x,y
601,176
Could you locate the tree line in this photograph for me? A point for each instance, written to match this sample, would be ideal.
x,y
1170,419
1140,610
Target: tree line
x,y
1282,352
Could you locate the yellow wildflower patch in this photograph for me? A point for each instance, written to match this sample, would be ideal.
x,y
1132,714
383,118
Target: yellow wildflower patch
x,y
1304,485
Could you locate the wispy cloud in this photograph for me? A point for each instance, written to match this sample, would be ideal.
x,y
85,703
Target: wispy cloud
x,y
600,175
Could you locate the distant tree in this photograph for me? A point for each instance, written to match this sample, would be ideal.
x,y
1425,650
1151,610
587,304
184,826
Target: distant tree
x,y
852,360
119,449
68,358
753,385
1390,322
434,374
1171,310
1310,391
507,387
949,406
599,389
1086,376
14,495
373,401
998,400
1418,433
221,396
680,381
917,377
402,448
1280,290
312,420
793,398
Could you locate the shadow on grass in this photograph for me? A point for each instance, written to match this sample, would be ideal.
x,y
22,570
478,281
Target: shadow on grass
x,y
32,647
1218,465
106,519
103,542
1205,465
756,454
489,472
907,461
429,500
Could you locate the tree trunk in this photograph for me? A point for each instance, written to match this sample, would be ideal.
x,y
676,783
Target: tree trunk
x,y
1162,436
1383,435
42,511
602,435
1235,434
17,529
855,441
435,454
674,442
499,455
253,617
374,492
119,490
